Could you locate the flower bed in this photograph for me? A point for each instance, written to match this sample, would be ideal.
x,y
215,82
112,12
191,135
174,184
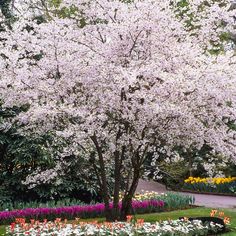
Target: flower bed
x,y
86,211
59,228
173,201
143,203
211,185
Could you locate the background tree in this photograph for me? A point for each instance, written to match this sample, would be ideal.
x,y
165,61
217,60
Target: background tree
x,y
172,171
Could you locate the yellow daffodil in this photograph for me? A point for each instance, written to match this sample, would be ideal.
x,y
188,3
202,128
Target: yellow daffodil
x,y
218,180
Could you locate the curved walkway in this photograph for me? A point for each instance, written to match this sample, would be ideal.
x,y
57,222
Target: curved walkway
x,y
206,200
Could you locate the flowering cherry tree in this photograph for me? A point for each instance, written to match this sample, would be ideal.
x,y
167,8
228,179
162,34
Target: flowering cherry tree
x,y
131,80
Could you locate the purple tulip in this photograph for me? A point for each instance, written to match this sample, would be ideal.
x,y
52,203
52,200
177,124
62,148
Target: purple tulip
x,y
73,211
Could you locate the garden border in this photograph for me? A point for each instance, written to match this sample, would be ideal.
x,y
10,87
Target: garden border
x,y
208,193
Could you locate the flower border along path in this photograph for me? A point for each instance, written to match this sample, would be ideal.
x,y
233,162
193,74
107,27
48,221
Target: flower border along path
x,y
207,193
207,200
219,185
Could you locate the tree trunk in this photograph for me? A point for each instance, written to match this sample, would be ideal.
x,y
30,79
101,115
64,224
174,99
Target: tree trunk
x,y
190,164
126,208
104,187
108,213
116,209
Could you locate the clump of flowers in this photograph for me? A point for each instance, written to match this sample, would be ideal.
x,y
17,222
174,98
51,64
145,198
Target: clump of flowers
x,y
220,214
145,195
218,180
139,227
145,202
172,200
218,185
84,211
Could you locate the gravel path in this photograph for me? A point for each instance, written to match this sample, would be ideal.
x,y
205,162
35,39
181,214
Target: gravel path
x,y
206,200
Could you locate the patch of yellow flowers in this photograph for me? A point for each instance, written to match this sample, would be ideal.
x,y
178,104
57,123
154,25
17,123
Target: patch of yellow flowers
x,y
147,195
219,180
144,195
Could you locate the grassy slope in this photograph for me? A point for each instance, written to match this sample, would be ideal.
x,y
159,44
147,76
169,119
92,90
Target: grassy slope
x,y
175,215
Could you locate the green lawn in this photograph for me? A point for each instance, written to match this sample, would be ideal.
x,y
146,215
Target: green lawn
x,y
2,230
200,211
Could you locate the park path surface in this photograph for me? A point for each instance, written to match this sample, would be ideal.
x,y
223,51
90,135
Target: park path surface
x,y
206,200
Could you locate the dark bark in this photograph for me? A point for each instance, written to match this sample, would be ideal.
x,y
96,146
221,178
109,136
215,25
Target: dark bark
x,y
104,186
127,200
136,162
190,163
115,211
119,157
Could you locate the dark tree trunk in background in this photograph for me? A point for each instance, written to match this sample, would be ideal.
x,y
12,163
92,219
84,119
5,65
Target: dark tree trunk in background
x,y
190,164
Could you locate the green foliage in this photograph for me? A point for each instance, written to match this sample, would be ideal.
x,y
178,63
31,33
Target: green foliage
x,y
191,164
21,155
176,173
37,204
5,8
232,125
55,3
178,201
67,12
175,201
225,36
183,12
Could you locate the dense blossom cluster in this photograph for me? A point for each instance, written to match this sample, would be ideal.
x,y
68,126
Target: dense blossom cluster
x,y
131,80
42,177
